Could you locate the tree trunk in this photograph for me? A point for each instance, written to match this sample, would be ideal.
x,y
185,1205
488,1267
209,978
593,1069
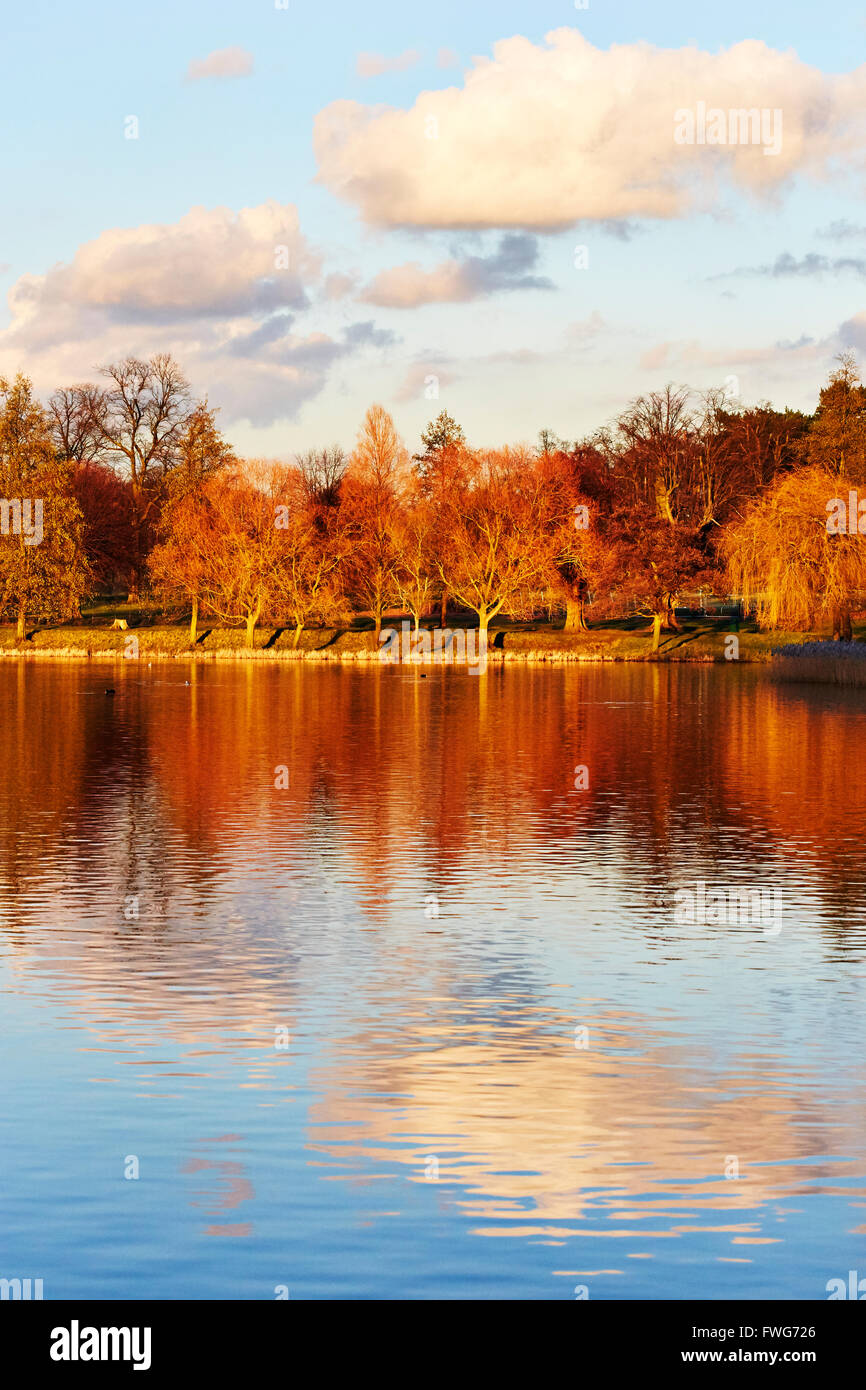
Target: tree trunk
x,y
657,630
193,623
663,502
299,627
252,619
671,619
575,619
443,612
842,631
22,616
378,618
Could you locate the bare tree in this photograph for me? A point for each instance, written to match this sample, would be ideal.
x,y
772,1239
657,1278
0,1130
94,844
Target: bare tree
x,y
322,471
654,449
76,414
144,411
142,416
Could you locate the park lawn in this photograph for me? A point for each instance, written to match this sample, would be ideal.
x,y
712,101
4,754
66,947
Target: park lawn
x,y
701,639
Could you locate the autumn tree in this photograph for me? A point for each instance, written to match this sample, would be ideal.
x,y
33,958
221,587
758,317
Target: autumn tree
x,y
240,573
373,492
499,522
761,444
578,499
312,547
223,546
181,564
837,438
651,450
440,467
438,438
43,568
414,534
653,561
109,521
783,558
200,453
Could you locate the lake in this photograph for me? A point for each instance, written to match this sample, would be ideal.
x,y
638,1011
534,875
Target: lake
x,y
345,982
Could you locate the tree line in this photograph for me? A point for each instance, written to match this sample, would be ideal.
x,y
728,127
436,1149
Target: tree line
x,y
142,493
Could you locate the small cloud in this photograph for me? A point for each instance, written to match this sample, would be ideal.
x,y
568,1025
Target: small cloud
x,y
366,334
842,230
273,328
621,229
447,58
787,266
223,62
374,64
787,345
457,282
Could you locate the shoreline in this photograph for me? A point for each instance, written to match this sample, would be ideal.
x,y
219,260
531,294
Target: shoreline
x,y
367,658
697,644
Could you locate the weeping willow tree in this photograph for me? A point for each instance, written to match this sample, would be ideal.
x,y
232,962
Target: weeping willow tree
x,y
790,558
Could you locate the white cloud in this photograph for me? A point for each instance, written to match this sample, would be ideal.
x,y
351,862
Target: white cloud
x,y
206,289
223,62
374,64
542,136
210,263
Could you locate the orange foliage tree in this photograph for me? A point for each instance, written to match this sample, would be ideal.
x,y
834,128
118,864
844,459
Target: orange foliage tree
x,y
373,492
499,520
783,557
312,546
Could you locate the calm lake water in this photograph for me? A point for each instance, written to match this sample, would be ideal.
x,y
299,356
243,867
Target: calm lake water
x,y
430,1021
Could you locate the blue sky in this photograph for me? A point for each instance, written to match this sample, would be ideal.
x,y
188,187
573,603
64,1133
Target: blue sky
x,y
493,306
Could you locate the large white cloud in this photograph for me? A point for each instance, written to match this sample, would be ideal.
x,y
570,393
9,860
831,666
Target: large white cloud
x,y
543,136
211,262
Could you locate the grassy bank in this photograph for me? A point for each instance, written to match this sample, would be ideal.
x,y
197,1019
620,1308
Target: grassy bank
x,y
701,639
